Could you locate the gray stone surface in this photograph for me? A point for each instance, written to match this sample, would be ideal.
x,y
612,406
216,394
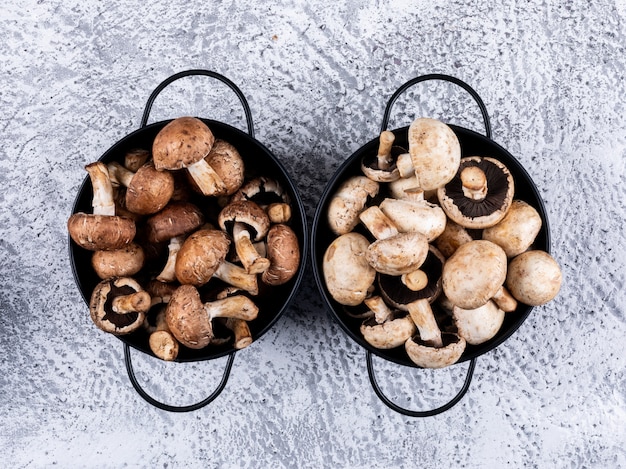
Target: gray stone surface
x,y
75,77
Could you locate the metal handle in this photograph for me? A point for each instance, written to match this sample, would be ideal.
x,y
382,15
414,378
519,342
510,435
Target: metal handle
x,y
209,73
419,413
170,408
437,76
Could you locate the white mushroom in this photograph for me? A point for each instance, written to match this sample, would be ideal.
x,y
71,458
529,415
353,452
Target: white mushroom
x,y
348,201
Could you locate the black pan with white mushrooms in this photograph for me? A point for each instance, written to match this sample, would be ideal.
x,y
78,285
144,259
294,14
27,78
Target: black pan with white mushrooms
x,y
471,262
185,211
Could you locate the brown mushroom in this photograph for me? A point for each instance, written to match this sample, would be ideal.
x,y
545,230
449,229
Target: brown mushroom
x,y
161,340
283,252
348,201
263,191
123,262
118,306
474,274
227,163
136,158
481,193
102,229
176,219
202,257
247,222
185,142
392,253
347,274
517,231
241,332
434,153
534,277
387,329
382,167
190,320
415,214
168,273
147,190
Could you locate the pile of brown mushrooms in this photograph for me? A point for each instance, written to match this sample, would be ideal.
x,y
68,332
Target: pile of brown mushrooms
x,y
184,241
428,226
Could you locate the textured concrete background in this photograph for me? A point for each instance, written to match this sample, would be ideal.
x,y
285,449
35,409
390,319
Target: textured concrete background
x,y
75,78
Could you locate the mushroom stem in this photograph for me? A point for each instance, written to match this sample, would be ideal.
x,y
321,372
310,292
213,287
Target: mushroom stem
x,y
206,178
505,301
132,303
237,277
103,202
405,165
120,174
238,306
279,212
239,327
422,315
381,311
252,261
378,223
384,149
474,183
162,342
416,280
168,274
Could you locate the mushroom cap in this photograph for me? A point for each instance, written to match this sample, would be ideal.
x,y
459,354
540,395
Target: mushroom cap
x,y
100,232
123,262
176,219
399,254
411,215
483,213
149,190
348,201
474,273
200,256
478,325
453,236
347,274
227,163
283,252
101,309
181,143
187,319
431,357
389,334
248,213
435,152
534,277
262,190
517,230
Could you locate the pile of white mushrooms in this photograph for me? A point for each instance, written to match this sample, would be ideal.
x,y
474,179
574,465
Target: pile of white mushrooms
x,y
427,225
184,241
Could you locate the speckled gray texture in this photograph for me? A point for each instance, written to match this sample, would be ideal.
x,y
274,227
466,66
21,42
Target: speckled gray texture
x,y
75,78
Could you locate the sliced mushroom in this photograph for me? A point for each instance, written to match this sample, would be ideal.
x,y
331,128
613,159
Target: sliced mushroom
x,y
392,253
190,320
517,230
480,194
147,190
415,214
348,202
478,325
118,306
176,219
474,273
102,229
247,222
184,143
123,262
534,277
347,274
434,154
283,252
388,328
382,167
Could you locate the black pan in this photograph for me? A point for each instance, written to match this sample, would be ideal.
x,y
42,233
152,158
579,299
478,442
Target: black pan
x,y
472,143
258,161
